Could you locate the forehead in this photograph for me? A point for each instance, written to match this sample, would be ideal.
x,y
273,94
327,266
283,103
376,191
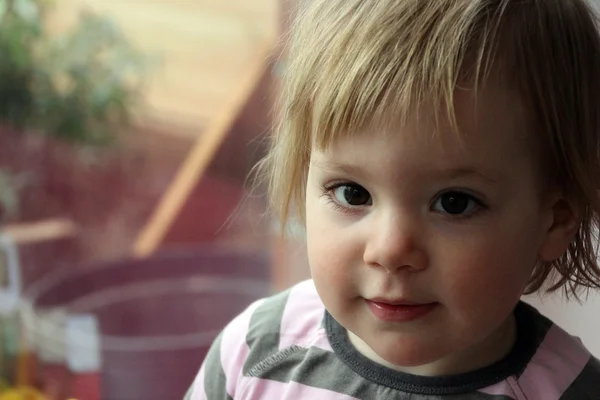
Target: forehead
x,y
491,127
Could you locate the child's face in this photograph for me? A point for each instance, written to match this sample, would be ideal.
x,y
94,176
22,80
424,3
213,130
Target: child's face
x,y
416,218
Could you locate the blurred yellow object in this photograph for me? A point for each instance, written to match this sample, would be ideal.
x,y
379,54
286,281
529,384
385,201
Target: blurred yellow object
x,y
22,393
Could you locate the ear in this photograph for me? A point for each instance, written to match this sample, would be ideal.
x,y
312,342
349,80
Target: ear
x,y
563,218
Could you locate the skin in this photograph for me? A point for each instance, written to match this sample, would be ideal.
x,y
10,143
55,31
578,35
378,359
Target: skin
x,y
378,225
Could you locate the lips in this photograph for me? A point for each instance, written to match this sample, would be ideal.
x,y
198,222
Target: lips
x,y
397,302
399,310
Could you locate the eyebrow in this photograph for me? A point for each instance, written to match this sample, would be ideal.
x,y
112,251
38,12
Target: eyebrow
x,y
332,166
460,172
452,173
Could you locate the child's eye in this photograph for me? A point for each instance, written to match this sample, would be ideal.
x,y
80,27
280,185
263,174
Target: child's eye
x,y
456,203
352,195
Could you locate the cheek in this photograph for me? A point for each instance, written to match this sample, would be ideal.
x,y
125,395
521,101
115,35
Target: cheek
x,y
328,267
327,251
494,268
320,244
333,253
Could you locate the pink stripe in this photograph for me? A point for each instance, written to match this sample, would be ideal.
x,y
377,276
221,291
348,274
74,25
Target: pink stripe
x,y
234,349
256,388
500,389
198,391
302,316
321,341
558,361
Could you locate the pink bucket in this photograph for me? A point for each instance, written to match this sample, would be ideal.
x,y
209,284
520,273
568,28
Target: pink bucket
x,y
144,325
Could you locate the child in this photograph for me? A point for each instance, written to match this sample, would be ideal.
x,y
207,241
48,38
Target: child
x,y
445,157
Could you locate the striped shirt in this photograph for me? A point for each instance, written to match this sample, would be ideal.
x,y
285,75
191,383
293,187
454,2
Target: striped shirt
x,y
288,347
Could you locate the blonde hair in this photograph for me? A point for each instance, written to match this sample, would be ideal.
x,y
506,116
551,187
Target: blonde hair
x,y
356,63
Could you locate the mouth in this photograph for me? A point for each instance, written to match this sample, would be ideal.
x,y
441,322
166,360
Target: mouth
x,y
399,310
395,302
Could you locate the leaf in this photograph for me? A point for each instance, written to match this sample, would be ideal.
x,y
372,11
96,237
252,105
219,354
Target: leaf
x,y
79,87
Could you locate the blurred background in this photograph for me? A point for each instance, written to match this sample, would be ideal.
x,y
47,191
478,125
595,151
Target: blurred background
x,y
128,233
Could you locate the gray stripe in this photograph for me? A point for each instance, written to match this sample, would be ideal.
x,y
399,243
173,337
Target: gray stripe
x,y
587,384
263,331
322,369
215,381
324,322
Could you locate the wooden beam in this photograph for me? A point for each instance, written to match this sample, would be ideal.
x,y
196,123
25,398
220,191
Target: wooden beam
x,y
201,154
40,231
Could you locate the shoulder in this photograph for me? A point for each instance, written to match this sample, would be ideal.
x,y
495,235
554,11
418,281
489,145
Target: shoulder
x,y
290,318
292,314
561,367
267,331
279,323
586,386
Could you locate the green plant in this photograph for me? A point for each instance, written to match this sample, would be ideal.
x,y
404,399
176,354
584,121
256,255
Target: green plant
x,y
81,86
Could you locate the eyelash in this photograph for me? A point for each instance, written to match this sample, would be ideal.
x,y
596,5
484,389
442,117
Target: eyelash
x,y
481,207
327,193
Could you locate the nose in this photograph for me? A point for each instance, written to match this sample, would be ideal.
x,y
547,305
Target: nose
x,y
394,244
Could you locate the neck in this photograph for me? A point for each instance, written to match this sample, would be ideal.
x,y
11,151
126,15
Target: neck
x,y
493,348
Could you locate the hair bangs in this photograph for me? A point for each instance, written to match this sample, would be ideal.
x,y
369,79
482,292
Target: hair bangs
x,y
376,76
